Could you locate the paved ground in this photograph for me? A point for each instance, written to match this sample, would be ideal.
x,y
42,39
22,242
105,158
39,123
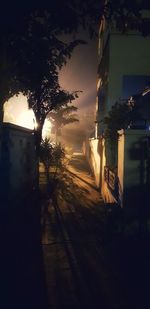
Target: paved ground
x,y
73,236
87,263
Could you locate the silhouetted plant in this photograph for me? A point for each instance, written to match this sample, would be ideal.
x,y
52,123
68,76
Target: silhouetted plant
x,y
32,56
52,156
119,117
58,158
46,155
62,116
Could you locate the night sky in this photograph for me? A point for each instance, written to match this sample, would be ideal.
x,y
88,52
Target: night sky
x,y
80,73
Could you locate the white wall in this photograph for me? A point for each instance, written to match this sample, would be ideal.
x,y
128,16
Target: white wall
x,y
94,159
95,154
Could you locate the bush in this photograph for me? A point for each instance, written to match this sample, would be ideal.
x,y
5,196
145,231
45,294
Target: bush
x,y
52,156
119,117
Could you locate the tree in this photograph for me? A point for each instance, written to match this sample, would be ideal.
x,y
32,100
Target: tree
x,y
51,155
46,156
42,106
40,55
29,33
62,116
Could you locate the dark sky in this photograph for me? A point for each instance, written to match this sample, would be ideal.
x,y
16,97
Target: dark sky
x,y
80,73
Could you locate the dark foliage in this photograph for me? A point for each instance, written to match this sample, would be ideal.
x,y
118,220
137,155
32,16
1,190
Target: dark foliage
x,y
51,155
62,116
121,116
118,118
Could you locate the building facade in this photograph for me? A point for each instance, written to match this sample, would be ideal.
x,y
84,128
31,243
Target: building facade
x,y
123,72
124,65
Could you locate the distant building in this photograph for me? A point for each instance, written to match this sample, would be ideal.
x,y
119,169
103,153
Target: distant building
x,y
124,64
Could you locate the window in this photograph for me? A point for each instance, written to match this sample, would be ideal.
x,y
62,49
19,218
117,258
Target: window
x,y
134,84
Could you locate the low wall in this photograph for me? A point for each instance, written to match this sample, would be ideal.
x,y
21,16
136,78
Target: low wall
x,y
94,149
134,167
18,166
129,184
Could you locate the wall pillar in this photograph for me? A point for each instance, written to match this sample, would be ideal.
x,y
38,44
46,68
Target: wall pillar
x,y
133,167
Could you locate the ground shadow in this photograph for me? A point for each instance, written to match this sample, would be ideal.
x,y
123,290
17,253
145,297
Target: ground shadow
x,y
21,263
94,230
108,249
79,164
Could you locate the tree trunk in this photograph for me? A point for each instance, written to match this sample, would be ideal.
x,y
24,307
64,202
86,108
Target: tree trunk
x,y
4,78
56,137
1,112
38,138
47,175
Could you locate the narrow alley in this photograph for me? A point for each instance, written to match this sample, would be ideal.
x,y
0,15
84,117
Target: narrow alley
x,y
82,261
73,235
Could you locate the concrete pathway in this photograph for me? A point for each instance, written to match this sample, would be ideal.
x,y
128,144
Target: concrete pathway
x,y
73,236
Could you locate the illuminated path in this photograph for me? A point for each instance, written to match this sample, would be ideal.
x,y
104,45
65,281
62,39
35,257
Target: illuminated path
x,y
77,276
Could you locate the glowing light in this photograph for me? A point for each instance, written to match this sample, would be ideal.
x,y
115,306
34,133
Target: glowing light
x,y
16,111
46,129
27,120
